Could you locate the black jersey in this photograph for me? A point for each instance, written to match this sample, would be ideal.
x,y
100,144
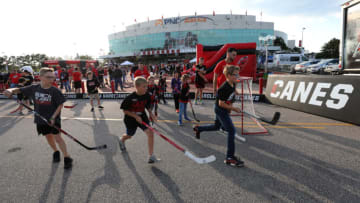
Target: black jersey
x,y
225,93
184,94
92,86
198,78
136,103
153,91
46,101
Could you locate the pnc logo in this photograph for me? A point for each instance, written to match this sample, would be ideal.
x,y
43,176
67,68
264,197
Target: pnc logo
x,y
316,94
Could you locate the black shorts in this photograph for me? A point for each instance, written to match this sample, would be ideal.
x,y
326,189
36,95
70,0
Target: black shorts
x,y
46,129
77,84
131,124
200,85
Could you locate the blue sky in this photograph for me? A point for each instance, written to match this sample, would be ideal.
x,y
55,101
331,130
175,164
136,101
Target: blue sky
x,y
65,27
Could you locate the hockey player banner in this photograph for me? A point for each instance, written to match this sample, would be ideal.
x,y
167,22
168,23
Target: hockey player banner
x,y
328,96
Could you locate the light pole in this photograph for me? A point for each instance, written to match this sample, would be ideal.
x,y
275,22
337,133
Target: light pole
x,y
266,41
302,37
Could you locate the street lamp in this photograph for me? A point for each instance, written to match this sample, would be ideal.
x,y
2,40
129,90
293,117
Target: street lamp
x,y
302,37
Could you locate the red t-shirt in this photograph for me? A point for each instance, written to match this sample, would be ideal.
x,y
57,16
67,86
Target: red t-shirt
x,y
14,77
219,71
70,71
105,72
144,73
76,76
95,71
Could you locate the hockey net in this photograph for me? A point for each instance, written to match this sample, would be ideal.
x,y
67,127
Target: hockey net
x,y
249,125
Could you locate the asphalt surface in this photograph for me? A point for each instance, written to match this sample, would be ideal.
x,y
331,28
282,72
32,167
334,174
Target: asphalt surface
x,y
305,158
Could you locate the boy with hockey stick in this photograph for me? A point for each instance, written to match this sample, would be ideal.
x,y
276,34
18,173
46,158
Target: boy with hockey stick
x,y
48,102
153,91
92,85
134,107
184,98
225,96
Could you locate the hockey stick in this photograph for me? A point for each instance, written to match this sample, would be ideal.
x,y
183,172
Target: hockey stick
x,y
61,130
70,106
17,109
193,112
241,138
188,154
273,121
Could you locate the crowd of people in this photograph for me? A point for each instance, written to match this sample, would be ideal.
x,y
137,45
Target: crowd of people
x,y
48,100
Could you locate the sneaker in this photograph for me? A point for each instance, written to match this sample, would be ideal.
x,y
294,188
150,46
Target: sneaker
x,y
56,157
197,133
100,107
21,113
177,111
180,123
200,102
153,159
67,162
188,119
122,145
92,109
196,103
234,161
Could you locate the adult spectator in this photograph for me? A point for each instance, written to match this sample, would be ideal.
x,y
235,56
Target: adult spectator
x,y
141,72
118,78
14,78
219,77
133,70
77,76
64,79
101,73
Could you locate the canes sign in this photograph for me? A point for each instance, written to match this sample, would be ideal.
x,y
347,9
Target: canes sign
x,y
328,96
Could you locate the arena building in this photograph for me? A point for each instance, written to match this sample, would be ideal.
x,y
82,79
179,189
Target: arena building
x,y
178,36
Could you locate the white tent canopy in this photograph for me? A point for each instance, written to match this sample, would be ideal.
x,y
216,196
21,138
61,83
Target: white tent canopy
x,y
126,63
193,60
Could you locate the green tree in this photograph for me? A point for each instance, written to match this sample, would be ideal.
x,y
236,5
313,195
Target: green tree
x,y
330,49
281,43
85,57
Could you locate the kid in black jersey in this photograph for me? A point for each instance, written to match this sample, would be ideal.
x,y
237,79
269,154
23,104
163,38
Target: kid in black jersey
x,y
134,107
225,97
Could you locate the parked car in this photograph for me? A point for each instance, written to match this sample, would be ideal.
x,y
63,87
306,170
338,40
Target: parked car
x,y
333,69
301,67
320,67
289,59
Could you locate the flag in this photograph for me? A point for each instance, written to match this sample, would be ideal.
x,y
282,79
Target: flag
x,y
213,13
135,20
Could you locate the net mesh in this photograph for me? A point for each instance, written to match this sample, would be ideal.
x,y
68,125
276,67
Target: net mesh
x,y
245,101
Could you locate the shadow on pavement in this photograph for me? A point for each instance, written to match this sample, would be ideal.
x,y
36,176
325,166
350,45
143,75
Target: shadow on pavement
x,y
111,175
168,183
284,172
44,196
147,192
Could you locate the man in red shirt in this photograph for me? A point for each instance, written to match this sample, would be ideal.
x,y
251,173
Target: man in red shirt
x,y
14,78
141,72
219,77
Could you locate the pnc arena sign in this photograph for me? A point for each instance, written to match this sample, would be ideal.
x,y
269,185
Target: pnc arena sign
x,y
328,96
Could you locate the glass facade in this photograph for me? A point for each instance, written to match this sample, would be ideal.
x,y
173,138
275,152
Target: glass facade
x,y
185,39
